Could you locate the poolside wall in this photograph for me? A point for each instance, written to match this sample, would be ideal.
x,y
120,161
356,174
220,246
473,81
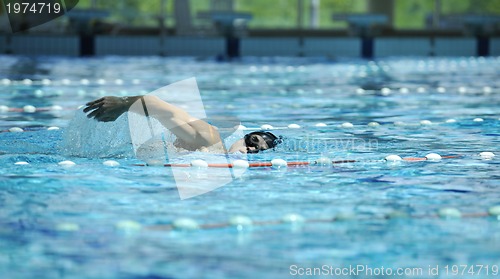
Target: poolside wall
x,y
251,46
40,45
495,47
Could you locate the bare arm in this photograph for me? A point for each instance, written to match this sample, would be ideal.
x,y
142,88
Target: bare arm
x,y
187,128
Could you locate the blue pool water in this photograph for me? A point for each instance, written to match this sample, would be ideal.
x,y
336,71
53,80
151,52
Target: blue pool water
x,y
96,221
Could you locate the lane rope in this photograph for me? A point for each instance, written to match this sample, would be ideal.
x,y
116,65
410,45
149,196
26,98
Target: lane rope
x,y
244,223
241,222
278,163
266,127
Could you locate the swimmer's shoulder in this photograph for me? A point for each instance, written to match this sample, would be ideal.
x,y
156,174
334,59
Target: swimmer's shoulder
x,y
215,148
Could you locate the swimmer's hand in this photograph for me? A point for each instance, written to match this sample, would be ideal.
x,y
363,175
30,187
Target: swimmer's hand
x,y
107,109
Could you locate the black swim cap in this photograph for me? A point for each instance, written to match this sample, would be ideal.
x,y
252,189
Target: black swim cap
x,y
268,137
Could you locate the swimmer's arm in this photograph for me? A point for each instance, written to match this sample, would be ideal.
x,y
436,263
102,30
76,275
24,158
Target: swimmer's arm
x,y
187,128
107,109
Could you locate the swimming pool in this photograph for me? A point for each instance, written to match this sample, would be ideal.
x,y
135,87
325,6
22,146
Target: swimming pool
x,y
97,221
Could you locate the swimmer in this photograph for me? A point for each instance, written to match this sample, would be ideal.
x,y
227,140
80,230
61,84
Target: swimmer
x,y
192,133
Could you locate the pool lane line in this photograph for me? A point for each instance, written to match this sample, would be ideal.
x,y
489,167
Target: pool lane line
x,y
296,163
68,82
353,218
417,159
276,163
251,165
30,129
33,109
463,215
43,109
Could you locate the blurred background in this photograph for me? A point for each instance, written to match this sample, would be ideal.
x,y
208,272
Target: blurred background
x,y
293,14
234,20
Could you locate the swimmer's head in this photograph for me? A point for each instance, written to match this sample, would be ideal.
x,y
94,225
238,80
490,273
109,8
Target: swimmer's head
x,y
260,140
255,142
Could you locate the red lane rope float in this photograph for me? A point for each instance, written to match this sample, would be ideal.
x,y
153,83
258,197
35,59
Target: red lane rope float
x,y
292,164
251,165
416,159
